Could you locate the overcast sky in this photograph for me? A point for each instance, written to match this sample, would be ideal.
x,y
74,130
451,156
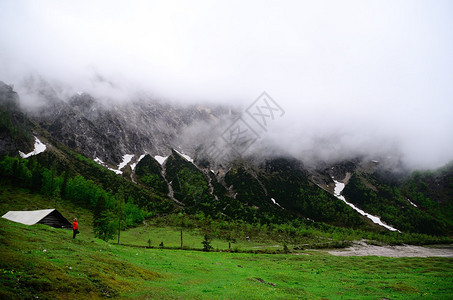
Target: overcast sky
x,y
365,74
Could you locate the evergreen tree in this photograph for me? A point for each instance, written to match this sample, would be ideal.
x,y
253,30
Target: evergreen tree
x,y
207,243
103,221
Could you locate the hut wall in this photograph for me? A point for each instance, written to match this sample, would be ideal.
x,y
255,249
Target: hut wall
x,y
54,220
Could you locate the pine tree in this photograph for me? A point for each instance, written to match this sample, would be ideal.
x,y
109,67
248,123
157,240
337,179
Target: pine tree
x,y
207,243
103,221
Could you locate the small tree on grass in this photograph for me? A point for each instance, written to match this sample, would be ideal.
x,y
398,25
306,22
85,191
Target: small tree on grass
x,y
207,243
104,224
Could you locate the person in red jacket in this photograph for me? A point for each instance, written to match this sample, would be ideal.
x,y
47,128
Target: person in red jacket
x,y
75,228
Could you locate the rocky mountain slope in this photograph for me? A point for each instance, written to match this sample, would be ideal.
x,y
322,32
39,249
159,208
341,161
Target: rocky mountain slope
x,y
143,143
110,132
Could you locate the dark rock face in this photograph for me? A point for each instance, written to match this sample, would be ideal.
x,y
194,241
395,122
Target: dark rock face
x,y
109,132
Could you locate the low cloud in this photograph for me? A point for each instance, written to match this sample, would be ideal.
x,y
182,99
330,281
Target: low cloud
x,y
352,76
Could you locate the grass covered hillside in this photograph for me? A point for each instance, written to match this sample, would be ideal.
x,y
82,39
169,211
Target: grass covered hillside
x,y
42,262
46,263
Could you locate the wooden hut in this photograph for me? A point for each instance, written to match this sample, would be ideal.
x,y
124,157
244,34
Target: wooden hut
x,y
49,217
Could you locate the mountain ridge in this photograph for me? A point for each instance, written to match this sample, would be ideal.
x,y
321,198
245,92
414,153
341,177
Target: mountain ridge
x,y
254,188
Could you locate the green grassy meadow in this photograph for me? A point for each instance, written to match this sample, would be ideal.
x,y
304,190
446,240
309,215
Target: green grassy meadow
x,y
192,239
40,261
46,263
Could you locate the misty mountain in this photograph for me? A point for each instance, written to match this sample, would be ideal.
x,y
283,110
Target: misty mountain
x,y
108,131
146,143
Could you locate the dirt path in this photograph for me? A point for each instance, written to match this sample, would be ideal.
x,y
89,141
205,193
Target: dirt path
x,y
363,249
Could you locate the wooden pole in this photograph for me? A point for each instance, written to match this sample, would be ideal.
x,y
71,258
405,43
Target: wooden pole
x,y
181,240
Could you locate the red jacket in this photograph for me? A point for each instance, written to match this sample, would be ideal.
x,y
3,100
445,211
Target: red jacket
x,y
75,225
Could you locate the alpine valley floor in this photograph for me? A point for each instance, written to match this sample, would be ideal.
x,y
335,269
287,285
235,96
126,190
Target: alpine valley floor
x,y
43,262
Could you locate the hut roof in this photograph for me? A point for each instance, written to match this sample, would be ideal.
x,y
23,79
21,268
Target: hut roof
x,y
42,216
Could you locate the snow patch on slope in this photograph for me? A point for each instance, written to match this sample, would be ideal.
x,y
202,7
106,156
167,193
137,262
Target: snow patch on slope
x,y
39,147
126,159
276,203
136,163
185,156
99,161
412,203
161,159
339,186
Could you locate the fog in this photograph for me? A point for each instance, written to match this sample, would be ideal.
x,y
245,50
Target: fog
x,y
352,76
